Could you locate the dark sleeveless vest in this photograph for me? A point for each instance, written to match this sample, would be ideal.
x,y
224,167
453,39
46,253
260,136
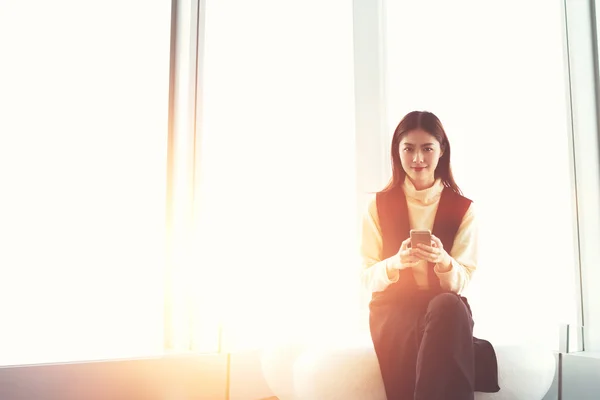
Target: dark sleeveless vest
x,y
395,228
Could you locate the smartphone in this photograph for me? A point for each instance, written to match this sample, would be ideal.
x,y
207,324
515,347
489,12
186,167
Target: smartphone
x,y
420,236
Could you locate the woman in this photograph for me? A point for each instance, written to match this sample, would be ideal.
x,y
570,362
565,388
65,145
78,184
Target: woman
x,y
421,327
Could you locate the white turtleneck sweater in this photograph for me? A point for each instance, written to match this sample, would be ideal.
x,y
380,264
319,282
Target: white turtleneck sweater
x,y
422,207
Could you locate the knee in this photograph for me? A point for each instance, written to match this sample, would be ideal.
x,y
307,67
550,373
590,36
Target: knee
x,y
449,319
447,305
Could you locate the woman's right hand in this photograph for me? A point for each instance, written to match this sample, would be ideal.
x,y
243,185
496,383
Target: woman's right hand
x,y
403,259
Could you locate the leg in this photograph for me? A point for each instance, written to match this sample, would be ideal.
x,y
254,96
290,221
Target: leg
x,y
445,363
394,332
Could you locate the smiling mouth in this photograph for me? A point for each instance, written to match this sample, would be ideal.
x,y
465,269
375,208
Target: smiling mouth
x,y
418,168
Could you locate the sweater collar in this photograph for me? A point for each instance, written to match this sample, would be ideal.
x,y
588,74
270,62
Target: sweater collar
x,y
425,196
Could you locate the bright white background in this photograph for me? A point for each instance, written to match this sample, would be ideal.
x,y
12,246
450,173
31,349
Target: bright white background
x,y
277,240
493,72
83,134
83,167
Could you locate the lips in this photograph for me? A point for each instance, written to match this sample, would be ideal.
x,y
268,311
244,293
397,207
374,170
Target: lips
x,y
418,169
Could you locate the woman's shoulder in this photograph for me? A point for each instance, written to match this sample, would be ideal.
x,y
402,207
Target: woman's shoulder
x,y
371,203
469,208
458,198
455,205
388,195
452,192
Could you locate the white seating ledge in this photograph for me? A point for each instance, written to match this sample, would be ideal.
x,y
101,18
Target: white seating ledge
x,y
351,372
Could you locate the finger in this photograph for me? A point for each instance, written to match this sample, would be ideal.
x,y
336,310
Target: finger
x,y
436,241
405,244
407,253
432,252
428,249
426,255
417,253
423,255
412,251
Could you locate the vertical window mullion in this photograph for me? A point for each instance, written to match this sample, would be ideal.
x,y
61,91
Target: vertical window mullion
x,y
180,195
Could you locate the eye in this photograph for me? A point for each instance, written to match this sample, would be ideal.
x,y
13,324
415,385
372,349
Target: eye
x,y
407,149
428,148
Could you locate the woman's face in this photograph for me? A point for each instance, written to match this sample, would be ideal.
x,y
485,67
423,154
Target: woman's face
x,y
419,155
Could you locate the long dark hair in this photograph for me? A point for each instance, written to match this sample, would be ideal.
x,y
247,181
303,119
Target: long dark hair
x,y
431,124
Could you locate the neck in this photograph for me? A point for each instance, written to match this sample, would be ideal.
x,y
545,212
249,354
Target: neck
x,y
422,184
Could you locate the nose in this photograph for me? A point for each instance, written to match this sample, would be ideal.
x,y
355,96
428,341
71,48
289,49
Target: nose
x,y
418,157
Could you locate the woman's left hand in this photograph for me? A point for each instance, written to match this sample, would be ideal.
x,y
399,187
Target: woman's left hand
x,y
434,253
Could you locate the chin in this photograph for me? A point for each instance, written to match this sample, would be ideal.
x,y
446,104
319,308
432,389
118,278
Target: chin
x,y
422,176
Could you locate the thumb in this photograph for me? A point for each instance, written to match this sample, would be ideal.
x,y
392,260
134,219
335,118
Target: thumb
x,y
404,245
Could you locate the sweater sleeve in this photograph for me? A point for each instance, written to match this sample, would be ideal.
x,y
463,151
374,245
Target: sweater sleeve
x,y
374,274
463,254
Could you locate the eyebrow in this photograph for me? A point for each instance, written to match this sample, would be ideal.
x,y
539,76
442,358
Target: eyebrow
x,y
424,144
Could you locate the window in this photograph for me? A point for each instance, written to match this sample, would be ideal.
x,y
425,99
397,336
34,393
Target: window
x,y
276,237
84,100
501,95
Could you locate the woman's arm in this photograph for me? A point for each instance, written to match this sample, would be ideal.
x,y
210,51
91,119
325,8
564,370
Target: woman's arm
x,y
377,274
463,256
